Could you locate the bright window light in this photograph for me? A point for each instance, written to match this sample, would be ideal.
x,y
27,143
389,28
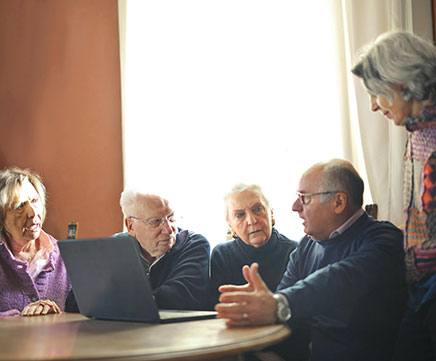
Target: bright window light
x,y
219,92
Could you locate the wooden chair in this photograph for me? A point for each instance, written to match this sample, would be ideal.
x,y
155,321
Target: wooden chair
x,y
73,230
372,210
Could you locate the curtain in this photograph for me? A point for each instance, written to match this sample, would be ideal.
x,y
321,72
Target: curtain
x,y
382,142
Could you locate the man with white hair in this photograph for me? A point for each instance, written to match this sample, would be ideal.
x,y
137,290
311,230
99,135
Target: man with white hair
x,y
176,260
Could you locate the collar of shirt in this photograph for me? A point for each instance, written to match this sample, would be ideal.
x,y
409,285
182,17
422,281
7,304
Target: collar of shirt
x,y
157,259
147,263
41,257
341,229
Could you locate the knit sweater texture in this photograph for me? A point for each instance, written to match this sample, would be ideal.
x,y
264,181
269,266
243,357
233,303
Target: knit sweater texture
x,y
420,196
18,288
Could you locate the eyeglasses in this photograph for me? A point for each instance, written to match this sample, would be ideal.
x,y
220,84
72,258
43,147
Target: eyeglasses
x,y
156,222
306,198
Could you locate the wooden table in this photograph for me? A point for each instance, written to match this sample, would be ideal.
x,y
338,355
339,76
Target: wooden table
x,y
74,337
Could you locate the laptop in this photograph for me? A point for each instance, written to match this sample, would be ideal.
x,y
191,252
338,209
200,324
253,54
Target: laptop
x,y
109,282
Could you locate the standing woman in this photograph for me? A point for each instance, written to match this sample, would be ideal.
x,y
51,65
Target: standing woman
x,y
399,72
33,279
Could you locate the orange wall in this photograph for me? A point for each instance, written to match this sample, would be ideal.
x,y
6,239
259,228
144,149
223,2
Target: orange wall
x,y
60,107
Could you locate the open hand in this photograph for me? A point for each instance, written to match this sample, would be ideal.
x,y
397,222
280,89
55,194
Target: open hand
x,y
251,304
248,287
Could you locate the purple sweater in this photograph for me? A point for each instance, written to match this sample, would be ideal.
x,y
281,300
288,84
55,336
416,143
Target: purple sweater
x,y
18,289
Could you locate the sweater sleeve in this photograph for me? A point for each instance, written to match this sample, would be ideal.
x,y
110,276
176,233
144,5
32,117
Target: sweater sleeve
x,y
376,264
291,276
13,312
187,283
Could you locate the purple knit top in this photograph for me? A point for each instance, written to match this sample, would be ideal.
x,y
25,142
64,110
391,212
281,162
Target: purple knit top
x,y
18,289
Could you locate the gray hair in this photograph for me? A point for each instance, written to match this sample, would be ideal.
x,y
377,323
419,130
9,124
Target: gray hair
x,y
340,175
128,201
11,181
395,58
242,187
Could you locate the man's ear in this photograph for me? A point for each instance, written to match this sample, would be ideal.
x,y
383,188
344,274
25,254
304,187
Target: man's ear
x,y
340,204
129,225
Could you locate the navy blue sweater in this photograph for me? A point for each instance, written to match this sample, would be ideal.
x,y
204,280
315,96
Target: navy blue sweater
x,y
228,259
352,287
180,278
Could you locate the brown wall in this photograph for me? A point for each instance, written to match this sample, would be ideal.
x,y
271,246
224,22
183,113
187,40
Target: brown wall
x,y
60,107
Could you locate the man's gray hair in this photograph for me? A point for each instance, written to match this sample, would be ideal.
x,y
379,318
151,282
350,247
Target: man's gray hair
x,y
395,58
341,176
128,201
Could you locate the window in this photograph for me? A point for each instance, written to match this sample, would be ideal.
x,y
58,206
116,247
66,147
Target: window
x,y
219,92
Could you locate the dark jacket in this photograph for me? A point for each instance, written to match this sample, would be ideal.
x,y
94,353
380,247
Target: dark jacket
x,y
180,278
353,288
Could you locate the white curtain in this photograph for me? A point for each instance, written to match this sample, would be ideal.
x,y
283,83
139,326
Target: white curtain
x,y
218,92
383,143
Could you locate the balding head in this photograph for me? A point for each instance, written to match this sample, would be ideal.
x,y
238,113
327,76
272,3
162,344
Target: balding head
x,y
340,175
330,193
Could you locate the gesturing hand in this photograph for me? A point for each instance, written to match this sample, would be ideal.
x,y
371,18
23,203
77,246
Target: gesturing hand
x,y
251,304
244,288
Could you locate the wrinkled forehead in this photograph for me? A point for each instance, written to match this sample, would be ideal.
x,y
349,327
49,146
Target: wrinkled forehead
x,y
244,199
22,192
151,206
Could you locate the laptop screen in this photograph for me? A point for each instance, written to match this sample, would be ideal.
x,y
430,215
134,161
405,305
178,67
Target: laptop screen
x,y
109,280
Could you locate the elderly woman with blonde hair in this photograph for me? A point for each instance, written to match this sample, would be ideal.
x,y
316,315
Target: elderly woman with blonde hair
x,y
399,72
33,277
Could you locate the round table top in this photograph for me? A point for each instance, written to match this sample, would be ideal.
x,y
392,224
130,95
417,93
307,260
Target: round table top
x,y
75,337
